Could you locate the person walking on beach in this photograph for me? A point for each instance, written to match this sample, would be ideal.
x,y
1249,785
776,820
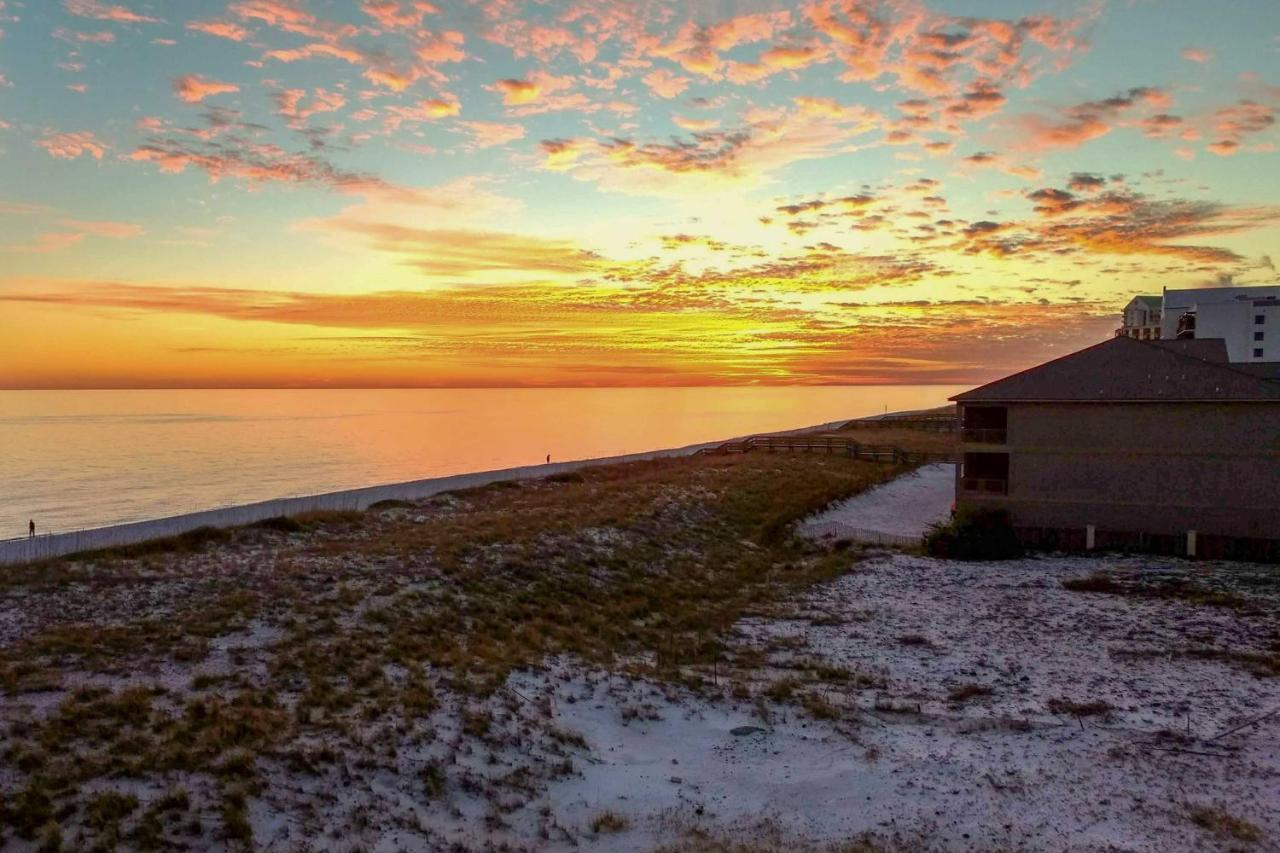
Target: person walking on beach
x,y
31,528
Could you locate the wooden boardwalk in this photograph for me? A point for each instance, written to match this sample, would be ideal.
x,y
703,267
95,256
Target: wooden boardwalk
x,y
888,453
928,423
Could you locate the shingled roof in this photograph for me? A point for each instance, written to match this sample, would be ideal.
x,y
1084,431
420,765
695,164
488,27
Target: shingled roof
x,y
1124,369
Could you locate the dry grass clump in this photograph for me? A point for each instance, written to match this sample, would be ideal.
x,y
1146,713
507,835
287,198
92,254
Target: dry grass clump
x,y
965,692
1172,589
1220,822
608,822
1072,708
769,836
1264,664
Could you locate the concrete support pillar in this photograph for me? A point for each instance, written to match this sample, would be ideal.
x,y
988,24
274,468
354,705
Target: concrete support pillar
x,y
1088,537
1191,543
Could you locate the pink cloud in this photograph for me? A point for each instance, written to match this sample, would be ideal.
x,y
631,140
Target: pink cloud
x,y
1085,121
290,105
112,230
69,146
664,84
106,12
1195,54
486,134
51,241
394,15
192,88
694,125
440,47
539,84
222,29
104,37
425,110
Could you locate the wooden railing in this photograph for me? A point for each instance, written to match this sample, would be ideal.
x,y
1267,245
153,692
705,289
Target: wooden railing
x,y
985,435
889,453
986,485
928,423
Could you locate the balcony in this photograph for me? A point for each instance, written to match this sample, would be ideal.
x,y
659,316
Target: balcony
x,y
985,435
984,485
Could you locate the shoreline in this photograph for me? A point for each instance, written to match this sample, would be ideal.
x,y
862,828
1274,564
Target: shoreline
x,y
49,546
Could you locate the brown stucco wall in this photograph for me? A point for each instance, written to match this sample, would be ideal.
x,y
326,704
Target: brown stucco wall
x,y
1161,468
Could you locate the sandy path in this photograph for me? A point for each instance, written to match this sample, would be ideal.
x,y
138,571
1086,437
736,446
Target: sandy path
x,y
904,507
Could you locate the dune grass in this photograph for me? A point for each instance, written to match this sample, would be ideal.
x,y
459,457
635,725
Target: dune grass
x,y
383,622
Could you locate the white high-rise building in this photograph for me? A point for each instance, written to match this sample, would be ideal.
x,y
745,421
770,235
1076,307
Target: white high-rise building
x,y
1247,319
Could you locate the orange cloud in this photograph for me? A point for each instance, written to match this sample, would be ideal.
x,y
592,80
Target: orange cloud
x,y
106,12
48,242
112,230
192,88
520,92
290,105
1237,121
486,134
258,163
664,84
222,29
394,15
1086,121
69,146
1195,54
1118,222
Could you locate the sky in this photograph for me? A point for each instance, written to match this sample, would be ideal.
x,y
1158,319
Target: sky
x,y
487,193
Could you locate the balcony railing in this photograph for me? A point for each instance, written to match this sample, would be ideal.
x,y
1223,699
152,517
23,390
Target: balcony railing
x,y
984,485
980,435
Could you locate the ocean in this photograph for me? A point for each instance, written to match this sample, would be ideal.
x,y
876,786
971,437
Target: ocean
x,y
76,459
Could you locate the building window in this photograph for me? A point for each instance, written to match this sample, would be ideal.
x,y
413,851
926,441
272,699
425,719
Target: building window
x,y
1257,336
985,473
1259,319
1257,352
985,424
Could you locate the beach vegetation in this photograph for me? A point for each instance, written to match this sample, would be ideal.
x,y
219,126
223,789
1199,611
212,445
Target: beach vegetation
x,y
1218,821
360,638
974,534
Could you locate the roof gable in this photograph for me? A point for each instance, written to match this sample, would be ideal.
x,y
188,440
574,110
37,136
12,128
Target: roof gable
x,y
1124,369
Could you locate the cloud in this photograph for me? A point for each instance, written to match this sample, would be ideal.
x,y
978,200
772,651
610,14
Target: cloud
x,y
516,92
696,125
1232,124
104,37
260,164
192,88
425,110
69,146
112,230
486,134
222,29
1085,121
289,102
394,15
1195,54
664,84
106,12
461,254
52,241
1117,222
768,141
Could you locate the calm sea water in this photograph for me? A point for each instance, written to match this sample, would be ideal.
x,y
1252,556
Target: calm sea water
x,y
71,459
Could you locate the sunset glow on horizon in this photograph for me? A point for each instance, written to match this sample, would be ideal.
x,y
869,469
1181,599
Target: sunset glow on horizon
x,y
336,193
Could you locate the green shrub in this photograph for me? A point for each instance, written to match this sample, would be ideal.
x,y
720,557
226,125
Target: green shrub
x,y
974,534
